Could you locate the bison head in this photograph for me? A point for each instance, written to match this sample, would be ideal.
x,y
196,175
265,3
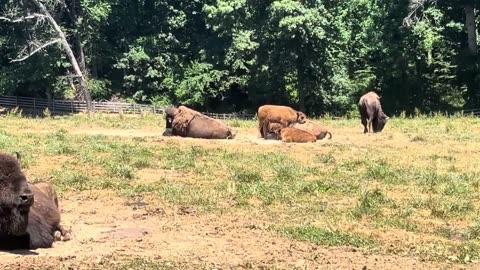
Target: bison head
x,y
379,123
170,114
301,117
16,197
274,130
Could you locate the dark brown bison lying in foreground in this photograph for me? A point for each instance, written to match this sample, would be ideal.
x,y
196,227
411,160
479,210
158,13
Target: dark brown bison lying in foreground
x,y
186,122
277,114
29,214
317,130
373,117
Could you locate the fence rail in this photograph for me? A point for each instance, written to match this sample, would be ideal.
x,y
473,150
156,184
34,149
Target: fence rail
x,y
73,106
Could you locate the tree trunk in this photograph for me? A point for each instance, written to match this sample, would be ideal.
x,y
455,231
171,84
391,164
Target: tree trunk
x,y
301,88
301,82
471,28
68,51
75,11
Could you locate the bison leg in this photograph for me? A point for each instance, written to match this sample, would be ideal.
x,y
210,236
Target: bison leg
x,y
260,128
365,124
369,126
62,234
264,129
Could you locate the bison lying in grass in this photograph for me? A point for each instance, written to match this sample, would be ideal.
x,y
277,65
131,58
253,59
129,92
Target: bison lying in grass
x,y
289,134
295,135
29,214
317,130
296,132
186,122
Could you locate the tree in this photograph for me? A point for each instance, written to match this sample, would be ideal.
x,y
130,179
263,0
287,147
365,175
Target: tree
x,y
43,13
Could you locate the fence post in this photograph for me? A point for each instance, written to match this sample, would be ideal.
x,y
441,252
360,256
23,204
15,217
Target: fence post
x,y
53,105
16,101
93,106
71,105
154,111
34,104
134,112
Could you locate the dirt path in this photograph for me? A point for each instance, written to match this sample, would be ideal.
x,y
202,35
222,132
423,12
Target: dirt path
x,y
110,228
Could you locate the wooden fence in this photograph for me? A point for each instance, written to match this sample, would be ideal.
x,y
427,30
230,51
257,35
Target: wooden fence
x,y
73,106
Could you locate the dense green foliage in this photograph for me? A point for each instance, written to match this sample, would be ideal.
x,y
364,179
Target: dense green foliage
x,y
233,55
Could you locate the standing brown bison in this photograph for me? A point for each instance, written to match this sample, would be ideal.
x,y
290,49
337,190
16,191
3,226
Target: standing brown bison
x,y
317,130
373,117
186,122
283,115
29,214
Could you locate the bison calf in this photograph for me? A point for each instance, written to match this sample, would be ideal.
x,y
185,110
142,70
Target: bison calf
x,y
29,214
295,135
317,130
283,115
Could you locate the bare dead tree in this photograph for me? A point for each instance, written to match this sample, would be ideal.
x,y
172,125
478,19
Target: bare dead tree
x,y
414,7
41,16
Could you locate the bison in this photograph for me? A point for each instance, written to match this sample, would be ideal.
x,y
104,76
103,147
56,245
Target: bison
x,y
186,122
295,135
373,117
277,114
273,131
29,213
169,116
317,130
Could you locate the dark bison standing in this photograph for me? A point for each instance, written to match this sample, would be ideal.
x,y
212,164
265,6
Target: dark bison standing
x,y
186,122
373,117
29,214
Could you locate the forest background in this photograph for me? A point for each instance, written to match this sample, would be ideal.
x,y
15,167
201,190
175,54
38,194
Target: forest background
x,y
318,56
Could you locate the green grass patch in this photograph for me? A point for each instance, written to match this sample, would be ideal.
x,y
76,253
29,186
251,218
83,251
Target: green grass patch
x,y
325,237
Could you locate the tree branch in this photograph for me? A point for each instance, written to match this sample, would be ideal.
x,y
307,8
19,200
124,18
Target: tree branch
x,y
37,50
22,19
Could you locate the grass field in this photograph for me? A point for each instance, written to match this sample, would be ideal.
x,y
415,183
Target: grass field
x,y
408,194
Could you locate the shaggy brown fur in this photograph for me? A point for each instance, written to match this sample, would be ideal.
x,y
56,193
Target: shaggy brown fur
x,y
181,122
273,131
317,130
29,214
190,123
290,134
46,206
277,114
